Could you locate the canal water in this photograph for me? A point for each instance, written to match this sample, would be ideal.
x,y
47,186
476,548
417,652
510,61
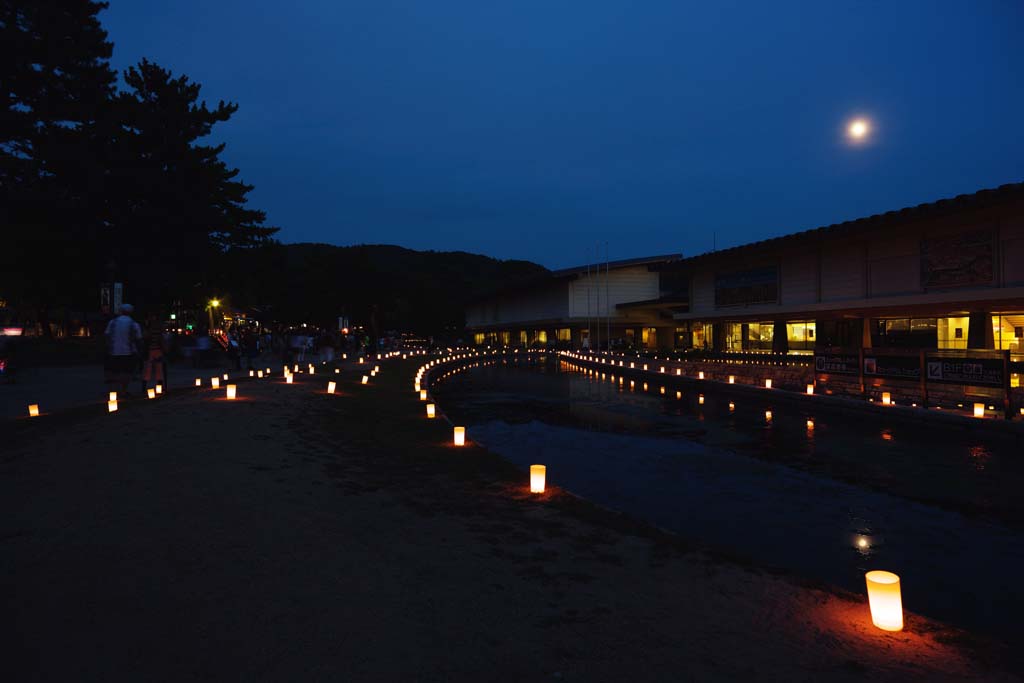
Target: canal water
x,y
939,505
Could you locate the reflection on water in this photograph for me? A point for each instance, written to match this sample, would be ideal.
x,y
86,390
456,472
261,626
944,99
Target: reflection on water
x,y
829,501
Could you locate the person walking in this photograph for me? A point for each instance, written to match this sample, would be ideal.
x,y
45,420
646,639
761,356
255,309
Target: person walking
x,y
124,337
155,366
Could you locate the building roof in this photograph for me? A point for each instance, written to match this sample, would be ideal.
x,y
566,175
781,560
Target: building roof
x,y
942,207
614,265
566,274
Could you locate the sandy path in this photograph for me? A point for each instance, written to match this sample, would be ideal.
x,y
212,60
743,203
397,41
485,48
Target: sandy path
x,y
298,536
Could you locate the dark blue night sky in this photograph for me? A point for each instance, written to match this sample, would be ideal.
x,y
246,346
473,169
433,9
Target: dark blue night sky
x,y
535,129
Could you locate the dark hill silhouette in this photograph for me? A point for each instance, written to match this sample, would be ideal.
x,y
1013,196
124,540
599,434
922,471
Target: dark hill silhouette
x,y
394,287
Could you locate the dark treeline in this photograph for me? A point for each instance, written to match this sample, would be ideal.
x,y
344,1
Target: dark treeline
x,y
106,178
102,183
380,286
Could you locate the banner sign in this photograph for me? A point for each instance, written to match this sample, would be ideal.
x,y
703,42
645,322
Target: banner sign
x,y
976,371
966,258
755,286
826,363
892,367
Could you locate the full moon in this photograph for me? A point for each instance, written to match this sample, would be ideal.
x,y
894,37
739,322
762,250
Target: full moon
x,y
858,129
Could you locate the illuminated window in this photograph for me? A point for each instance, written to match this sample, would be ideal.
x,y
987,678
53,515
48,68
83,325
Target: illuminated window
x,y
650,337
703,337
540,336
733,337
1008,332
760,335
563,334
952,332
522,336
800,334
506,338
478,338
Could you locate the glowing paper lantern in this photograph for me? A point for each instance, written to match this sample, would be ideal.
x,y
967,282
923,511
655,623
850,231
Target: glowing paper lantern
x,y
150,393
538,473
768,383
288,379
645,386
365,379
112,396
700,375
259,374
337,371
231,392
700,399
810,389
979,410
885,600
679,395
423,394
663,391
662,369
886,398
810,425
111,406
199,382
430,410
252,373
33,410
679,371
159,389
296,368
767,416
215,382
732,379
225,377
331,386
732,406
459,436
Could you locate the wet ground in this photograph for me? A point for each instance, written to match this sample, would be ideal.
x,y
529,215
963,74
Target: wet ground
x,y
938,505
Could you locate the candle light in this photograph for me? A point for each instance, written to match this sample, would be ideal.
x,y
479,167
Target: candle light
x,y
215,382
331,386
337,371
259,374
538,473
430,410
767,416
199,382
459,436
810,424
288,379
225,377
159,389
111,406
252,373
810,389
112,396
231,393
33,410
732,379
679,395
886,398
884,600
700,375
423,394
700,399
979,410
150,393
365,379
768,383
732,406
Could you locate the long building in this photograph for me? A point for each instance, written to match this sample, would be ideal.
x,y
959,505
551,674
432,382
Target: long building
x,y
944,277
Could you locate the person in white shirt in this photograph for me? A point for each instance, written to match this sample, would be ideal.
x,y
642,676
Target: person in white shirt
x,y
124,338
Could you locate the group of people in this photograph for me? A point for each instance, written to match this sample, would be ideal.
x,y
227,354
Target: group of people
x,y
128,347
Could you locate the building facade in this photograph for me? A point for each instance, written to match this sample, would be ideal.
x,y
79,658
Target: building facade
x,y
591,306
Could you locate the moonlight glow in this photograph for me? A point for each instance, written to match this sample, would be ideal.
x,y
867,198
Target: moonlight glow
x,y
858,130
